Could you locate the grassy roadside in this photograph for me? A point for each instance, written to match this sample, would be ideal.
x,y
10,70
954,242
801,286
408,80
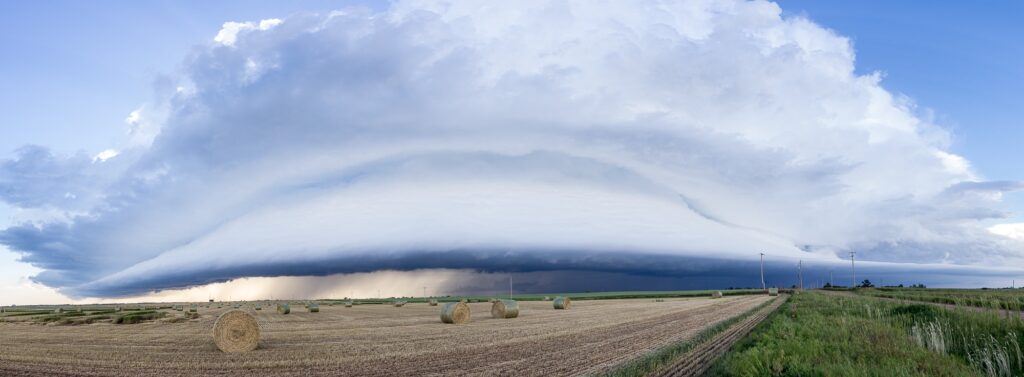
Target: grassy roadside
x,y
661,357
818,335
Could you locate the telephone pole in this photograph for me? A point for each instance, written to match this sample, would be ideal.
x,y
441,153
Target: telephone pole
x,y
831,283
424,292
763,286
853,267
800,272
510,287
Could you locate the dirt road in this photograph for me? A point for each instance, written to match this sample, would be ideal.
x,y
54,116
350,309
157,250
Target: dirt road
x,y
699,359
373,340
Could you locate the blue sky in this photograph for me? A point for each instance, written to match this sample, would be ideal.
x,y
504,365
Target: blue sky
x,y
959,59
77,70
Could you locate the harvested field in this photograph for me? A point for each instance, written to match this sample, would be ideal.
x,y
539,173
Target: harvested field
x,y
373,340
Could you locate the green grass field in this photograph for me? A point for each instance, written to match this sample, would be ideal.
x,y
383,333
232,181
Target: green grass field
x,y
822,335
1010,299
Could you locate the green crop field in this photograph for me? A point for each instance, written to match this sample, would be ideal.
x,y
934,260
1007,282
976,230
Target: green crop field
x,y
1010,299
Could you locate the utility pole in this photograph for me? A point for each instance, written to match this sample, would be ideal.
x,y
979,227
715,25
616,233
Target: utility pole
x,y
763,286
510,287
831,283
424,292
800,272
853,267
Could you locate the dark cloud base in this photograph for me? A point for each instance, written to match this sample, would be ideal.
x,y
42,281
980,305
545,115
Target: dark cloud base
x,y
541,272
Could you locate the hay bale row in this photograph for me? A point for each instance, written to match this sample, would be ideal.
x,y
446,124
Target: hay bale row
x,y
455,313
716,294
562,302
236,331
284,308
505,309
659,300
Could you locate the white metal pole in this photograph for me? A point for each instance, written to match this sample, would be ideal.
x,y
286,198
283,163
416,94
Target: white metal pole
x,y
763,286
800,271
853,267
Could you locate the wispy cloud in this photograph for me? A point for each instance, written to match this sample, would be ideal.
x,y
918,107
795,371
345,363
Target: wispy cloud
x,y
507,136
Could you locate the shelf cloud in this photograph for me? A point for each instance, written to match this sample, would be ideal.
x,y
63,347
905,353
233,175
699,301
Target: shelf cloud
x,y
496,136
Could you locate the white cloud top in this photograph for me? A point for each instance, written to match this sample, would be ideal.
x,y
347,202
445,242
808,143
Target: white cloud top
x,y
228,33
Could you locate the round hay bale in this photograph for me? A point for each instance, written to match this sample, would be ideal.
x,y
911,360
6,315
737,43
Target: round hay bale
x,y
236,331
193,309
399,304
455,312
547,298
258,307
659,300
773,291
313,308
432,302
505,309
348,304
716,294
284,308
562,302
58,310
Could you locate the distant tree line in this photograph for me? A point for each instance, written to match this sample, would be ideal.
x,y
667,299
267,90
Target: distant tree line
x,y
868,284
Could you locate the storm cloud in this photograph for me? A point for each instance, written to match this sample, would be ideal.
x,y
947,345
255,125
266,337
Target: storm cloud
x,y
584,136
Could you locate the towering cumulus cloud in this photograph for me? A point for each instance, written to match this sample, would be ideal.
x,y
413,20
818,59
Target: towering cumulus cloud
x,y
505,136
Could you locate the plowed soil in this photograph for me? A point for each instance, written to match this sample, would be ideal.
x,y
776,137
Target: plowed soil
x,y
373,340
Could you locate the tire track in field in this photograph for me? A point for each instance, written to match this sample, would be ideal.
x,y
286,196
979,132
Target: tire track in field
x,y
699,359
575,354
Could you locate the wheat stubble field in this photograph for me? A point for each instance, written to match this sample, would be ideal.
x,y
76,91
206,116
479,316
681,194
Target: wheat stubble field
x,y
373,340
